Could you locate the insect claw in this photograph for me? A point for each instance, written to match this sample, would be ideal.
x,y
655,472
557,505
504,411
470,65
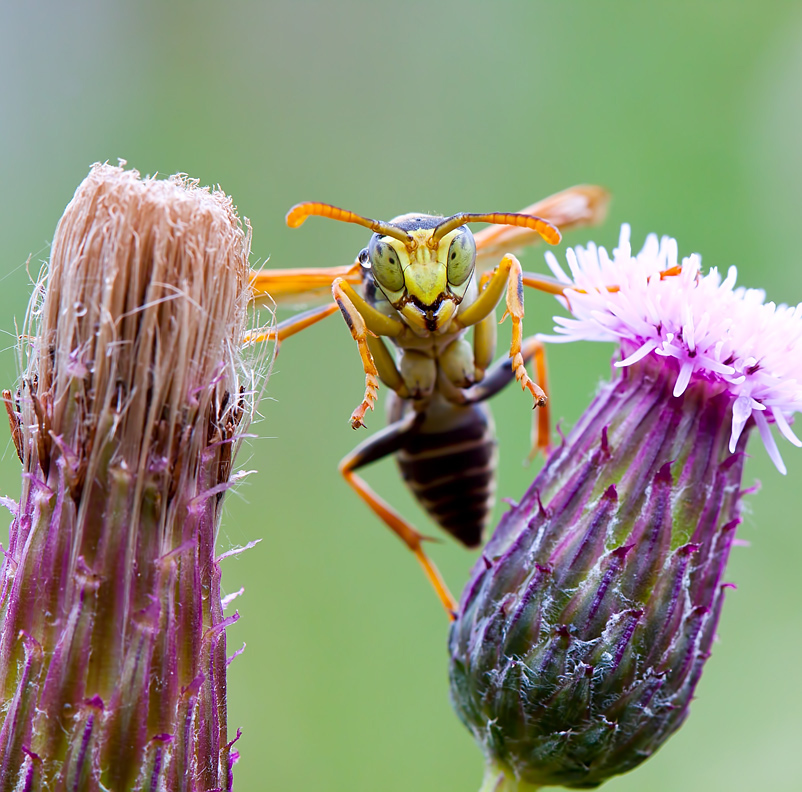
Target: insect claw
x,y
359,413
356,420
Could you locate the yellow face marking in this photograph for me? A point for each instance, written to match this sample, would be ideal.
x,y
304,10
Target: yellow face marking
x,y
425,276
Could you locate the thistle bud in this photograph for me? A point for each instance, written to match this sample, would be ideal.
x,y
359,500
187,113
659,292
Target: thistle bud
x,y
126,420
584,629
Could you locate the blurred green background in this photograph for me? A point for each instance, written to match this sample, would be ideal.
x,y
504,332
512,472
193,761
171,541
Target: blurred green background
x,y
689,112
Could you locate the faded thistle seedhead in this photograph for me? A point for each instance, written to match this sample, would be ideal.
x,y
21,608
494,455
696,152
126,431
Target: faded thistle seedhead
x,y
127,418
584,629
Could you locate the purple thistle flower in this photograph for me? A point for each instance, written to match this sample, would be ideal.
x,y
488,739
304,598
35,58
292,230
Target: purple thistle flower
x,y
126,420
585,626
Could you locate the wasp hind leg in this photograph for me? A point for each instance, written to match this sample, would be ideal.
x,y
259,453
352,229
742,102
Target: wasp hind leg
x,y
386,442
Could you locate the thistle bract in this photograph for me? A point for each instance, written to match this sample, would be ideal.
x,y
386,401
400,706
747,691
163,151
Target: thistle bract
x,y
587,621
127,418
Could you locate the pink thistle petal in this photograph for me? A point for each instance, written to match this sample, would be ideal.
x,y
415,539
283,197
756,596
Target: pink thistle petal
x,y
769,442
639,354
741,411
683,379
726,336
785,429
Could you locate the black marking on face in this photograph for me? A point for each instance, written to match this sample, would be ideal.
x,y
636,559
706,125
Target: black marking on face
x,y
428,311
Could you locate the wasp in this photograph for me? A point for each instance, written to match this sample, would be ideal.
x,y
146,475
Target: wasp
x,y
422,283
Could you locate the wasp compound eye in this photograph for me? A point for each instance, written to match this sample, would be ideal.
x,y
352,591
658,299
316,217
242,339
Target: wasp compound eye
x,y
386,264
461,257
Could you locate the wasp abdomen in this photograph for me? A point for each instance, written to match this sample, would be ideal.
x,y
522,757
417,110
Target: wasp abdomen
x,y
452,472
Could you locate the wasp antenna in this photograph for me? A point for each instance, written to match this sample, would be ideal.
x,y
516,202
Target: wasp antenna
x,y
299,213
543,227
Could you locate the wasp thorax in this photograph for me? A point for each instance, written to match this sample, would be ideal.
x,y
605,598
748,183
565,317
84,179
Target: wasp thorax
x,y
385,263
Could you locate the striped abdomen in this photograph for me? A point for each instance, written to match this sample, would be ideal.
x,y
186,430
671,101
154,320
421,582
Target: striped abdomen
x,y
449,463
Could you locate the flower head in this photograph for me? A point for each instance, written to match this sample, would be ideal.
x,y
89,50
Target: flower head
x,y
586,623
710,330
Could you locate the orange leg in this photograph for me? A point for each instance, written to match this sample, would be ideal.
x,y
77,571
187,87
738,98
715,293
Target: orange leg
x,y
551,285
544,283
380,445
541,426
515,310
359,332
508,277
295,324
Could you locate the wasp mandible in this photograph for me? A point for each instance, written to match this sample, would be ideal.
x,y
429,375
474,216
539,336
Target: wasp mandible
x,y
422,282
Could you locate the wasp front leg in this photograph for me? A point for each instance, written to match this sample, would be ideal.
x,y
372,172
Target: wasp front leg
x,y
506,279
362,319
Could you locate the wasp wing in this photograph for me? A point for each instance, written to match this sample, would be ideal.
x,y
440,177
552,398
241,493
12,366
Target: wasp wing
x,y
585,204
300,287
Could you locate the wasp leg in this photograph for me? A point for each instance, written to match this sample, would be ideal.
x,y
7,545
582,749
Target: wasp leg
x,y
380,445
376,322
385,365
544,283
485,334
550,285
502,374
507,276
293,325
361,318
283,285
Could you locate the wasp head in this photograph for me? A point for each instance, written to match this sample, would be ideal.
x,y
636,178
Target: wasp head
x,y
423,276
